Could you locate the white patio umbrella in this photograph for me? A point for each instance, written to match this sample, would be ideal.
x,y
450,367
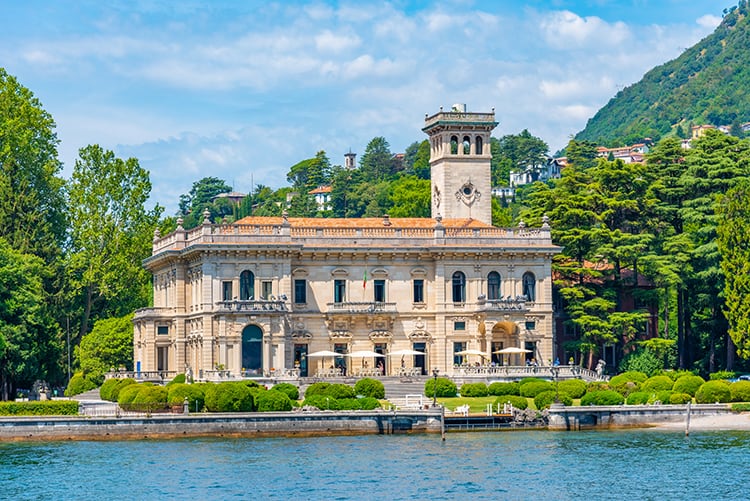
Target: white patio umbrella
x,y
472,352
513,350
364,354
324,353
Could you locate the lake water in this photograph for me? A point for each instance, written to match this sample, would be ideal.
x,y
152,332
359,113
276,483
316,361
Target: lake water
x,y
641,464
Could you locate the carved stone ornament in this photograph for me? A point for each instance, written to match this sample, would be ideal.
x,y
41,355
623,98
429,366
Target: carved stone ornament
x,y
436,197
380,336
420,335
468,194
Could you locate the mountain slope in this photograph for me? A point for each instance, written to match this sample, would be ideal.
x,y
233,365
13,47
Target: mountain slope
x,y
708,84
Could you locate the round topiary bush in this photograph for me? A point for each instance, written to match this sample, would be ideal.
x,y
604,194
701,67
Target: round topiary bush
x,y
680,398
713,391
368,403
546,398
177,393
368,387
628,376
514,400
105,391
657,383
474,390
445,388
533,389
128,394
229,397
722,375
273,401
150,398
317,389
688,384
597,386
604,397
79,384
661,397
638,398
291,390
123,383
178,379
626,388
674,375
740,391
504,389
528,380
573,387
340,390
322,402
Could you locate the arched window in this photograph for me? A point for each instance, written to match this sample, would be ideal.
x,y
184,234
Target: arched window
x,y
493,285
454,145
467,145
529,286
247,285
478,145
459,287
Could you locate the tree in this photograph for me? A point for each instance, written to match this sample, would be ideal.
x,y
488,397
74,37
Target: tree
x,y
410,197
108,345
31,194
201,197
417,159
377,162
30,341
111,234
311,173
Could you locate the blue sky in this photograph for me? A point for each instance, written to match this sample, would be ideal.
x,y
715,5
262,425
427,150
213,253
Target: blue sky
x,y
242,90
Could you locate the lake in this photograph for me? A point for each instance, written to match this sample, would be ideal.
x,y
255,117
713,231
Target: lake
x,y
631,464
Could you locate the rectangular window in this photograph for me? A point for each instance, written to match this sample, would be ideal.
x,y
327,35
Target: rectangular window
x,y
266,289
379,291
497,358
458,346
419,291
300,291
459,326
339,291
530,325
226,291
162,330
162,358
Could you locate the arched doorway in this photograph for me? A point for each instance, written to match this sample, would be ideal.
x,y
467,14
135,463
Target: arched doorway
x,y
252,349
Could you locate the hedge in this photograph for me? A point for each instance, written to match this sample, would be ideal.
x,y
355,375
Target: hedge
x,y
504,389
150,398
177,393
368,387
39,408
573,387
229,397
658,383
517,402
445,388
533,389
79,384
688,384
638,398
721,375
740,391
680,398
474,390
604,397
273,401
713,391
291,390
178,379
663,397
546,398
128,393
628,376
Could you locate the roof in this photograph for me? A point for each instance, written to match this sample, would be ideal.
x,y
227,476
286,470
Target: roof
x,y
321,189
363,222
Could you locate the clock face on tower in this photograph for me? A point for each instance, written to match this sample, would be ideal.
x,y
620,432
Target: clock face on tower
x,y
468,194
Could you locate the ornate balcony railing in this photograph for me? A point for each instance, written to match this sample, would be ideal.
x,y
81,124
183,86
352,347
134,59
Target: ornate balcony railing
x,y
251,305
361,307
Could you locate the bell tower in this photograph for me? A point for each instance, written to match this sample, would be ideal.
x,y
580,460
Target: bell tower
x,y
460,163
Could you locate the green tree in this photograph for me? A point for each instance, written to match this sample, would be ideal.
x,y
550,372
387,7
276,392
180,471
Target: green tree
x,y
30,341
201,196
522,151
417,159
410,197
108,345
377,163
111,234
32,203
311,173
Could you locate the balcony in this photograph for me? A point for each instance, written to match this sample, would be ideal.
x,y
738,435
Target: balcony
x,y
255,306
365,307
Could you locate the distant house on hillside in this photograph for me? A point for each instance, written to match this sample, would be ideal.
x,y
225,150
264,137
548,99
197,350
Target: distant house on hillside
x,y
234,197
322,196
533,173
628,154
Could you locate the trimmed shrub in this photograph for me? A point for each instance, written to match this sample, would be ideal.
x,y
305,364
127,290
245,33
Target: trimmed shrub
x,y
535,388
713,391
317,389
740,391
178,379
604,397
743,407
291,390
718,375
663,397
368,387
150,398
546,398
79,384
177,393
680,398
273,401
39,408
688,384
322,402
626,388
528,380
628,376
105,391
445,388
638,398
573,387
517,402
229,397
504,389
128,394
674,375
340,390
597,386
474,390
657,383
124,383
369,403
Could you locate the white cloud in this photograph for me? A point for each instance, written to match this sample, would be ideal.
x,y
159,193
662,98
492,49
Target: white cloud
x,y
328,41
565,29
708,21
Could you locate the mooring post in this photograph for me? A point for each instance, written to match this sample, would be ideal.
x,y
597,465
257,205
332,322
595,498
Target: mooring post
x,y
442,423
687,419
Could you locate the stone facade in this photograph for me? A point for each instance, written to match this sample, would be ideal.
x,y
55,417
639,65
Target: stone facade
x,y
265,294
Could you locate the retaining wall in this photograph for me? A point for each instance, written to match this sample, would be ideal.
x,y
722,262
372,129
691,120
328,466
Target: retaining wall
x,y
626,416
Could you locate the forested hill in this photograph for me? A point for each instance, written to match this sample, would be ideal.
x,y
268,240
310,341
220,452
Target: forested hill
x,y
708,84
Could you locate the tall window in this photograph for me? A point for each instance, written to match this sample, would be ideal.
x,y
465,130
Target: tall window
x,y
266,289
419,290
247,285
379,291
529,286
459,287
493,285
478,146
339,291
226,291
300,291
458,346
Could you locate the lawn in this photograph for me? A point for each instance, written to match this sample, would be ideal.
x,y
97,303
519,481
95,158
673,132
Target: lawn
x,y
476,404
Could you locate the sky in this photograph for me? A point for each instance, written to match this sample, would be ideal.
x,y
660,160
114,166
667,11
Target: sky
x,y
243,90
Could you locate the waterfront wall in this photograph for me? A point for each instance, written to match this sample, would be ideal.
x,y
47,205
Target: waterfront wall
x,y
627,416
265,424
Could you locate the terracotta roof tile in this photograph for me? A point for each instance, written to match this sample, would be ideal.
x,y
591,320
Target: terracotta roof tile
x,y
364,222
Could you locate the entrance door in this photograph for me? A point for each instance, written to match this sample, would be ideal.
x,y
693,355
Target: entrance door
x,y
300,359
380,362
252,349
162,358
531,355
340,362
497,358
419,360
